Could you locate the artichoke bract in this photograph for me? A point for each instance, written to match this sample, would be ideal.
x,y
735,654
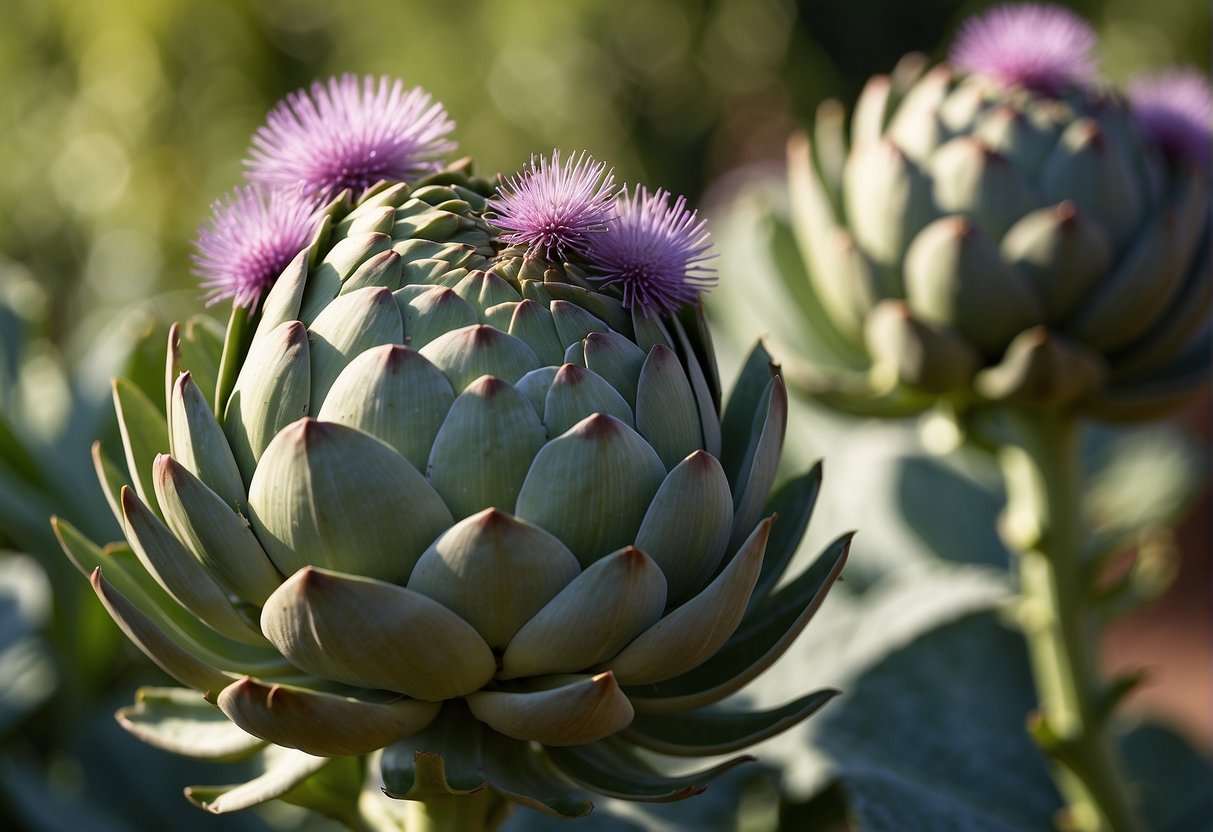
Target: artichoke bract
x,y
1003,228
441,500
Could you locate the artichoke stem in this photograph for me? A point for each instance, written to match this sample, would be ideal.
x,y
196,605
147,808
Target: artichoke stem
x,y
1043,525
482,811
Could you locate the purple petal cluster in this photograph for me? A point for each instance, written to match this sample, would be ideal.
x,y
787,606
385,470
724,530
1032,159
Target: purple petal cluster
x,y
655,251
1174,109
1044,48
555,207
350,133
250,238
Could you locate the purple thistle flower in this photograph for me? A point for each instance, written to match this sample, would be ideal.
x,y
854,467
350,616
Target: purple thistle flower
x,y
349,135
250,238
1174,108
654,252
555,207
1041,47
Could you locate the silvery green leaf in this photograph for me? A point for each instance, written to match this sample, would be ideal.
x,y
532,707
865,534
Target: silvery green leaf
x,y
495,572
485,447
591,486
592,618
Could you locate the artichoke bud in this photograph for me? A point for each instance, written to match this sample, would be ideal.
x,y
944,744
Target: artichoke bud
x,y
1022,138
1042,368
993,197
454,468
1062,254
905,350
888,200
972,180
955,277
915,127
1088,168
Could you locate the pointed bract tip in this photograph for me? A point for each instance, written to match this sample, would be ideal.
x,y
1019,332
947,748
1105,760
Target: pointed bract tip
x,y
1044,48
350,133
596,426
570,374
492,519
487,386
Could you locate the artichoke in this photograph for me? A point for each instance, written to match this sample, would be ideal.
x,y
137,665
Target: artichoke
x,y
440,500
1003,228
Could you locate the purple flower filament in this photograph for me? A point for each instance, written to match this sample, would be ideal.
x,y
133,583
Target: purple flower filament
x,y
350,134
1175,111
655,252
1044,48
250,238
555,208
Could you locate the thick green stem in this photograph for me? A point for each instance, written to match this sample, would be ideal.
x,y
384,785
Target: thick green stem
x,y
1043,526
480,812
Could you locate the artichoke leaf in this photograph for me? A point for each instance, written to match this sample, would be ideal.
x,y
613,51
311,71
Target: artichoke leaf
x,y
591,619
282,302
760,465
610,768
483,290
126,575
573,323
287,769
485,447
533,324
141,426
393,393
273,389
348,326
111,477
325,279
687,527
155,644
323,724
576,713
199,444
181,721
744,401
470,352
576,393
373,634
617,360
764,635
591,486
666,412
691,634
219,538
332,496
523,774
495,572
710,732
792,506
383,270
180,574
445,759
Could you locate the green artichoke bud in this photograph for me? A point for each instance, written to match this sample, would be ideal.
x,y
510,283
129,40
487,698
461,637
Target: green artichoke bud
x,y
452,503
989,238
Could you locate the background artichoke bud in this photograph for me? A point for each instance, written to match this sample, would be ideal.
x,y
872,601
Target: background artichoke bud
x,y
994,198
456,493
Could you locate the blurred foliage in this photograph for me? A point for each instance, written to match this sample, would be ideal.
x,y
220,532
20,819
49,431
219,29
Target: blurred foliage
x,y
122,120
